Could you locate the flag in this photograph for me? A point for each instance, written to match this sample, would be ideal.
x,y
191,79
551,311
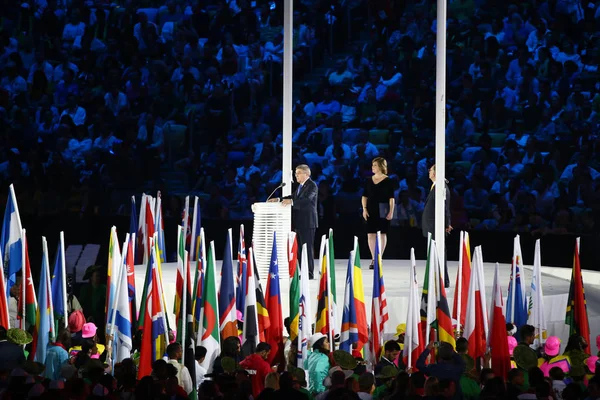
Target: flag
x,y
186,223
227,310
304,319
250,336
4,316
27,306
516,308
199,281
133,229
332,285
149,228
536,300
576,316
140,237
413,337
44,320
428,296
180,274
379,312
159,228
11,241
497,338
114,264
186,328
476,323
120,314
154,336
349,331
463,278
323,319
261,305
274,335
130,265
59,284
444,320
359,299
242,273
208,334
294,285
196,228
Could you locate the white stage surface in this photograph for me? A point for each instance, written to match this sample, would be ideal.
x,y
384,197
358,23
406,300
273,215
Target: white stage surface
x,y
396,275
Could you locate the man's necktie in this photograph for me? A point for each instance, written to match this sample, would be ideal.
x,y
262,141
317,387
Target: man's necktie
x,y
299,188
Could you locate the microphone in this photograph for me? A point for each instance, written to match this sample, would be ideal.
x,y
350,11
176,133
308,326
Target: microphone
x,y
277,188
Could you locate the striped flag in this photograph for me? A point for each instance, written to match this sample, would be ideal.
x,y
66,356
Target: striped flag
x,y
159,228
133,229
516,307
349,331
274,335
59,285
536,300
294,285
476,324
463,278
304,320
444,320
187,223
186,328
242,273
429,294
261,306
180,275
120,314
114,264
149,227
379,312
227,310
140,237
199,280
154,337
12,241
250,335
332,284
208,334
323,320
196,228
4,316
27,306
130,265
413,338
576,316
44,313
497,338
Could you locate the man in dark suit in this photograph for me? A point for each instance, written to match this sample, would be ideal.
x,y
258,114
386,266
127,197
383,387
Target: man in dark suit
x,y
304,213
428,220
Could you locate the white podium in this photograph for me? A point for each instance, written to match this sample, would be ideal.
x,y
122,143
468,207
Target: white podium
x,y
269,218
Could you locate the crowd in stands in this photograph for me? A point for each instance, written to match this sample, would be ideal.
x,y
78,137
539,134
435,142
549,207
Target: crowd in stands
x,y
99,99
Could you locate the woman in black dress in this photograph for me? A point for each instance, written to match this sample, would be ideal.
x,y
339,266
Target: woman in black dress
x,y
378,205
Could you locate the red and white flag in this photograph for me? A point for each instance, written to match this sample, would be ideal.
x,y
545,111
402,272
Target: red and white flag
x,y
476,322
497,338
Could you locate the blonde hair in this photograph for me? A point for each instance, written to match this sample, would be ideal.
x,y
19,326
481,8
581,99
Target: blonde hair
x,y
381,164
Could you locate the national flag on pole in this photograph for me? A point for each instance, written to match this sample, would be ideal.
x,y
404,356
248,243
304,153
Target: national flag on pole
x,y
516,306
120,314
242,273
536,300
463,278
133,229
274,335
183,290
208,334
160,230
261,305
357,301
196,228
44,313
11,241
199,281
305,314
114,264
130,265
497,338
577,316
323,320
444,320
379,312
476,323
227,310
294,272
349,331
180,275
149,227
250,335
4,316
187,223
414,343
27,306
59,285
429,295
141,239
154,336
332,285
186,328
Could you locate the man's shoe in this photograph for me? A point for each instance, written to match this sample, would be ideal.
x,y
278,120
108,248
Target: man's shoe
x,y
311,276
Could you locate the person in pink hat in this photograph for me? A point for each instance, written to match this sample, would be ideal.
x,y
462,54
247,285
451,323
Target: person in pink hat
x,y
512,343
552,358
88,332
590,366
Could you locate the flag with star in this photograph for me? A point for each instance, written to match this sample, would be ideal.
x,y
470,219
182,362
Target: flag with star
x,y
274,335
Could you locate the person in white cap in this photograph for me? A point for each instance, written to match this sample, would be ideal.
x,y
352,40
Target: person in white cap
x,y
317,363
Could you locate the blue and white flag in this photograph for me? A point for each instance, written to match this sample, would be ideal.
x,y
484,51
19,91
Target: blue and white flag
x,y
11,240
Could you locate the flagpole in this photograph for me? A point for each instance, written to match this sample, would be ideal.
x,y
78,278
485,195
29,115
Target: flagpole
x,y
64,277
111,343
288,67
194,224
48,287
458,295
440,132
24,282
183,306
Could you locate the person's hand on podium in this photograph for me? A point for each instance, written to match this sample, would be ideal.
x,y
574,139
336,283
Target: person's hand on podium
x,y
286,202
273,200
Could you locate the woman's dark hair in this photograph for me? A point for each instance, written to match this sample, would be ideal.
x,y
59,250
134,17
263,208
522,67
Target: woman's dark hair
x,y
575,342
318,346
230,346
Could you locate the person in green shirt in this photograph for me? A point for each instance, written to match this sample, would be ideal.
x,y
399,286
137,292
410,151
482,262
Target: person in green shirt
x,y
93,297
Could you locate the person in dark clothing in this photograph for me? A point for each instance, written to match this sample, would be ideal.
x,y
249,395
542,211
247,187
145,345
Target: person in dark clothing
x,y
11,355
391,350
231,347
515,382
450,365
